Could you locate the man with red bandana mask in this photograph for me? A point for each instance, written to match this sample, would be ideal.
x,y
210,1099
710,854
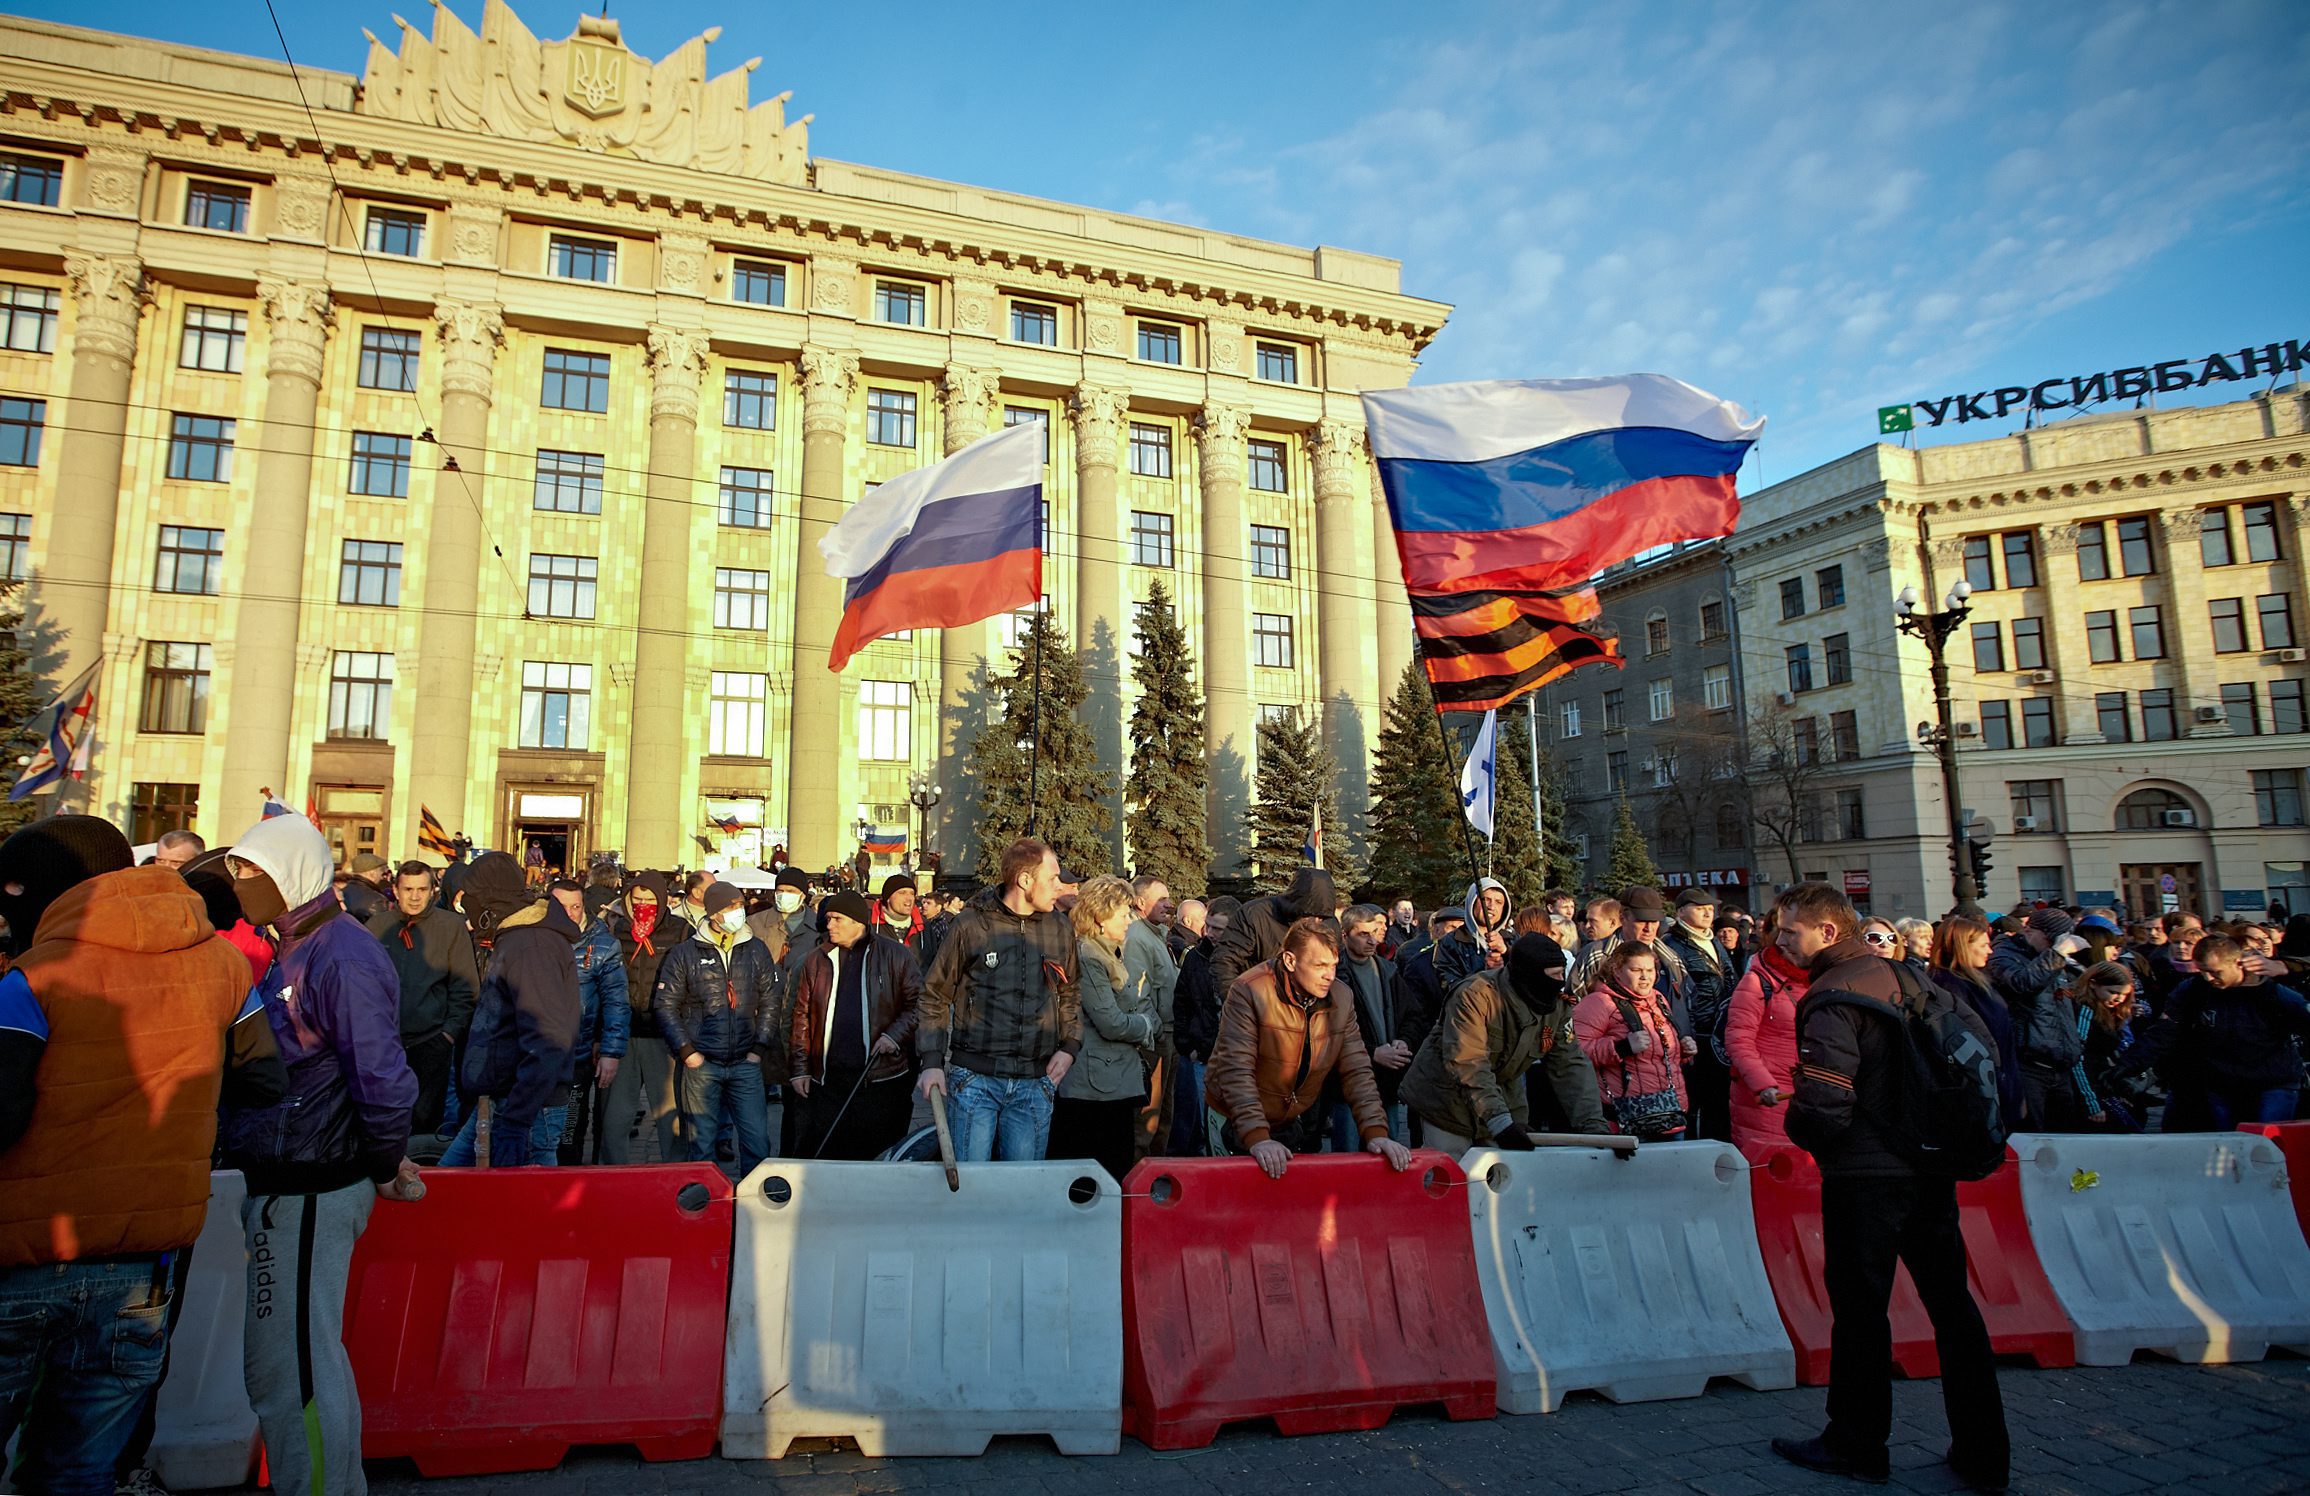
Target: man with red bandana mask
x,y
646,929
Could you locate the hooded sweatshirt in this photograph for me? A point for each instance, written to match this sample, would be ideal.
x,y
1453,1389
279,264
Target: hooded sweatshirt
x,y
1467,950
1256,933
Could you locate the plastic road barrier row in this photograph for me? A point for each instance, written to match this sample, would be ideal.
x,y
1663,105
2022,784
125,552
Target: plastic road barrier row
x,y
205,1432
1324,1300
1634,1275
2293,1140
2185,1244
2017,1303
870,1301
513,1313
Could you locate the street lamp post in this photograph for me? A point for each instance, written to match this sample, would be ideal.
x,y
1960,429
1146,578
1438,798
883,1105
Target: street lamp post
x,y
1935,629
923,791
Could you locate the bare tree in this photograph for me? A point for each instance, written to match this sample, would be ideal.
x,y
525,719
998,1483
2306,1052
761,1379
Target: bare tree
x,y
1780,779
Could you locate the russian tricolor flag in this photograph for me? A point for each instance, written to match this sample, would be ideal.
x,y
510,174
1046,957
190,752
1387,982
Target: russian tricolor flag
x,y
1508,496
953,543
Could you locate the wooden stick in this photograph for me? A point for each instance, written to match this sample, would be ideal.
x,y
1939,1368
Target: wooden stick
x,y
945,1139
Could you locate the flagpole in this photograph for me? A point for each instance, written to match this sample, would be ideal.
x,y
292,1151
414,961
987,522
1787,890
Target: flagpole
x,y
1539,827
1467,832
1035,743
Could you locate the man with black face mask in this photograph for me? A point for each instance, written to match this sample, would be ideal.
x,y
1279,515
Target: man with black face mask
x,y
1467,1083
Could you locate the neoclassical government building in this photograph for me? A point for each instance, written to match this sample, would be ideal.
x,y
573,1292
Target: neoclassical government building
x,y
460,435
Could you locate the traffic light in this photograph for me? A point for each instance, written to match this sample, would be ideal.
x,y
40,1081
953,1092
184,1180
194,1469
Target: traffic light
x,y
1979,851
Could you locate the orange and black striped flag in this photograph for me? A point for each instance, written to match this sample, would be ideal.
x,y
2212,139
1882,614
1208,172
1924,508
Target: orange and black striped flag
x,y
1484,649
430,836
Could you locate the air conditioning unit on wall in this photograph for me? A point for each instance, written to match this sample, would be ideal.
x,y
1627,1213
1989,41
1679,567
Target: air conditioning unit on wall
x,y
1966,729
2209,714
2183,817
2025,823
2037,678
2292,656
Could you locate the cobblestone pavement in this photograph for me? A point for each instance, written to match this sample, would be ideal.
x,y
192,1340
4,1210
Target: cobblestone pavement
x,y
2237,1430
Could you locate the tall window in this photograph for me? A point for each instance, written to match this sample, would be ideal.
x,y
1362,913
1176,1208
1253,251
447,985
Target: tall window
x,y
360,695
1837,657
369,574
2261,521
388,359
2092,551
157,809
2111,716
890,418
1021,415
744,498
1716,687
1033,322
1616,710
2136,556
1712,622
1150,538
2020,558
759,282
2229,619
1800,661
1805,736
2101,636
28,318
1660,699
2240,706
2029,644
1271,552
34,180
2277,616
380,465
2278,797
1851,822
1150,450
1844,735
2286,713
1568,720
1792,597
2035,801
2147,625
2158,722
200,449
176,687
1158,343
1997,724
395,231
190,561
557,705
568,482
907,306
15,547
2037,721
22,423
573,258
1268,473
217,205
1988,647
1980,570
1656,635
1731,828
1829,586
214,339
562,586
737,712
1279,362
1616,770
750,400
1013,627
741,599
576,381
885,733
2214,537
1271,640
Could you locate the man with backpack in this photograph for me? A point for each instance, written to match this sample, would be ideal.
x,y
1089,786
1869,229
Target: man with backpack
x,y
1896,1101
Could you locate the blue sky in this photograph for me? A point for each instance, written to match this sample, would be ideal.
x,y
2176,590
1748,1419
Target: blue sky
x,y
1812,209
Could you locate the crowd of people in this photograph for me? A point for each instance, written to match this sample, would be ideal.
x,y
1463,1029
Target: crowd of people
x,y
255,1008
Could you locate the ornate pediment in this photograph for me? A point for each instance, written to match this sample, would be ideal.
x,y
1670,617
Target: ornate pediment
x,y
586,90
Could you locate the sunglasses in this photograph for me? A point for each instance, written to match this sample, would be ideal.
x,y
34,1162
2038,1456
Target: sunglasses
x,y
1878,937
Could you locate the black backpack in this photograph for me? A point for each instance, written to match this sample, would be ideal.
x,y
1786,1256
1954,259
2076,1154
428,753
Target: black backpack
x,y
1944,1115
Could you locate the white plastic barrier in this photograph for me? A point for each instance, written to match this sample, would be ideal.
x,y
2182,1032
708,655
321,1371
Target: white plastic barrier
x,y
205,1433
869,1301
1635,1275
2184,1243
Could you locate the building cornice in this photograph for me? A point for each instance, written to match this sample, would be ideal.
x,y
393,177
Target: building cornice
x,y
2134,474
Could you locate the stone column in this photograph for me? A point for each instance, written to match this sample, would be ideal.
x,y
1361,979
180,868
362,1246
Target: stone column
x,y
1343,612
969,397
263,685
2294,514
2185,616
72,591
441,731
1102,607
1221,431
664,712
2067,652
814,814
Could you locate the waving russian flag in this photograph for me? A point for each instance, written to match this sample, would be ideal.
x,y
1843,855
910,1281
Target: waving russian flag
x,y
949,544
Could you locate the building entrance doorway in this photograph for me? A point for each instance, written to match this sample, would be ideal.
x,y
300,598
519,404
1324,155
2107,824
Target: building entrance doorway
x,y
547,832
2149,889
353,820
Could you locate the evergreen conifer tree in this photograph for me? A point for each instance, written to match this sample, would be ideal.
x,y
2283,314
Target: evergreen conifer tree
x,y
1631,861
1070,811
1170,772
1413,827
1297,776
1516,859
22,694
1560,859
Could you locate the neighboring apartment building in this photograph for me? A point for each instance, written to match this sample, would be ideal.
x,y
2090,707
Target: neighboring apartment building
x,y
2128,688
1665,731
474,455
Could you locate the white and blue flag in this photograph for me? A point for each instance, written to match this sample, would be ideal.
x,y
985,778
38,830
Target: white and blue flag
x,y
1476,776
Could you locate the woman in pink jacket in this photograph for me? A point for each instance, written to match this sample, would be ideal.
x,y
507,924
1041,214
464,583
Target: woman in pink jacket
x,y
1624,1028
1761,1037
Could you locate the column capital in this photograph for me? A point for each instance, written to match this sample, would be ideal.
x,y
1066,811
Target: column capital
x,y
827,375
2182,526
968,393
677,362
1222,431
1338,450
110,294
2060,540
471,334
298,313
1949,551
1098,412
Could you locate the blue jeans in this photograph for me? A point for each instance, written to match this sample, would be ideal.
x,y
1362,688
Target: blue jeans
x,y
1005,1119
543,1145
1343,1126
703,1094
1187,1109
2227,1111
80,1346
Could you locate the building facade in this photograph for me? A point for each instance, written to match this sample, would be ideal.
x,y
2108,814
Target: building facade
x,y
2127,688
464,443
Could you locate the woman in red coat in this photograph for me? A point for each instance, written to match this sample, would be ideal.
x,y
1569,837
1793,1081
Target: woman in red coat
x,y
1624,1028
1761,1037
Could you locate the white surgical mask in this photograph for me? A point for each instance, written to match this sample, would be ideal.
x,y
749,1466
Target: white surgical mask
x,y
788,900
733,919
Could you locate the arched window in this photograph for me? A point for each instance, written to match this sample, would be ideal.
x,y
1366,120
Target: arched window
x,y
1656,632
2145,810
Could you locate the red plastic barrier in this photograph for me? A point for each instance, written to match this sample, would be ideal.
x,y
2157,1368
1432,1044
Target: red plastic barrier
x,y
2293,1140
1324,1300
2016,1301
513,1313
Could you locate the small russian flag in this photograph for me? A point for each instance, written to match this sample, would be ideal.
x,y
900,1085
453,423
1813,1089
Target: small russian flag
x,y
886,841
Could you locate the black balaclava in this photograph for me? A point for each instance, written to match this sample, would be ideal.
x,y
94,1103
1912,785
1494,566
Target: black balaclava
x,y
1536,970
39,863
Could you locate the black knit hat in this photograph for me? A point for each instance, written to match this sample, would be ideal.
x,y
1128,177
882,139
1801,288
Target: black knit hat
x,y
851,902
895,882
494,887
46,858
793,877
720,896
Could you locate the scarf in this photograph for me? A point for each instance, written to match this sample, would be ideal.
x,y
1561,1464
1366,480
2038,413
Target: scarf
x,y
645,917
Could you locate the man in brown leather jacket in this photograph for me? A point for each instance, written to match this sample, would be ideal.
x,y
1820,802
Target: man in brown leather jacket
x,y
1286,1025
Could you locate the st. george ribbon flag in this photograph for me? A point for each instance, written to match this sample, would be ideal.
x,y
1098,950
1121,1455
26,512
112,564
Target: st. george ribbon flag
x,y
942,546
1509,496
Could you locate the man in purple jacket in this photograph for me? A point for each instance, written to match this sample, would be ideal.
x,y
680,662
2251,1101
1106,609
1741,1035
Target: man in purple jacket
x,y
319,1159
